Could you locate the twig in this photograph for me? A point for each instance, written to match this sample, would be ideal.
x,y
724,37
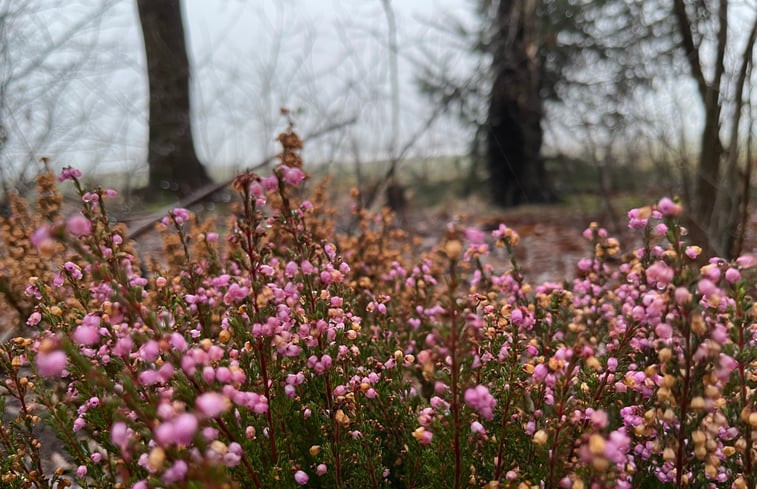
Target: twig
x,y
209,190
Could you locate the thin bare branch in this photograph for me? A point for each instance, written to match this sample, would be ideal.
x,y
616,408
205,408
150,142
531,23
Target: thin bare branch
x,y
691,50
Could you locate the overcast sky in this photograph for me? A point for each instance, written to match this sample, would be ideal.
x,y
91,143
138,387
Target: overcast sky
x,y
328,60
73,84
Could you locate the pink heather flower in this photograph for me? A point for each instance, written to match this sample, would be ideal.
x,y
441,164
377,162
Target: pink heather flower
x,y
177,472
745,261
660,274
140,485
149,351
306,206
81,471
479,399
86,335
180,431
617,446
732,275
599,419
178,342
90,197
475,236
291,269
706,287
291,175
233,456
69,173
540,373
682,295
635,219
270,183
669,208
660,229
208,374
726,365
119,434
693,251
123,346
148,378
612,364
51,364
180,215
235,294
73,270
301,477
663,331
41,235
321,469
425,437
223,374
212,404
34,318
79,225
79,423
477,428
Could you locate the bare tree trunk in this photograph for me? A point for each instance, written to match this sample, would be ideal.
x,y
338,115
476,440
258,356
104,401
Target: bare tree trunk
x,y
514,132
725,225
707,181
171,157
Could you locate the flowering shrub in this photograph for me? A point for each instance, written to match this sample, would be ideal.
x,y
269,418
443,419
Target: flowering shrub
x,y
284,354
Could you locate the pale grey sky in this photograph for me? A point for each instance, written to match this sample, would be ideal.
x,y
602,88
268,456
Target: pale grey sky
x,y
86,103
328,59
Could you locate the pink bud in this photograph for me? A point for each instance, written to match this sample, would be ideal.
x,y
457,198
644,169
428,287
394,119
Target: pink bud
x,y
212,404
51,364
79,225
301,477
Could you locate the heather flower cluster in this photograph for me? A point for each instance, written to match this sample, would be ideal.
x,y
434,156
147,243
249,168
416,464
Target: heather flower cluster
x,y
281,353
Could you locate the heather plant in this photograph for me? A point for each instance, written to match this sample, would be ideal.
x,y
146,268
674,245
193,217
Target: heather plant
x,y
281,353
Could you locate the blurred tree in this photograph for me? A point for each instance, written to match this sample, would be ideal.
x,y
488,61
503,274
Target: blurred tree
x,y
718,197
173,163
537,54
513,131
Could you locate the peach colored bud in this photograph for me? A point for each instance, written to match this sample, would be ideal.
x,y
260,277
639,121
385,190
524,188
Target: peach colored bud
x,y
453,249
697,404
342,418
540,437
596,445
664,355
700,452
593,363
156,458
668,454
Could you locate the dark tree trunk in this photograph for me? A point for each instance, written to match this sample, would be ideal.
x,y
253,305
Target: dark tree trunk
x,y
708,173
171,157
514,132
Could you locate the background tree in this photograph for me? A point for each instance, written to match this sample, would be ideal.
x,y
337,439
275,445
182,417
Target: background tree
x,y
172,160
545,61
718,195
513,132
